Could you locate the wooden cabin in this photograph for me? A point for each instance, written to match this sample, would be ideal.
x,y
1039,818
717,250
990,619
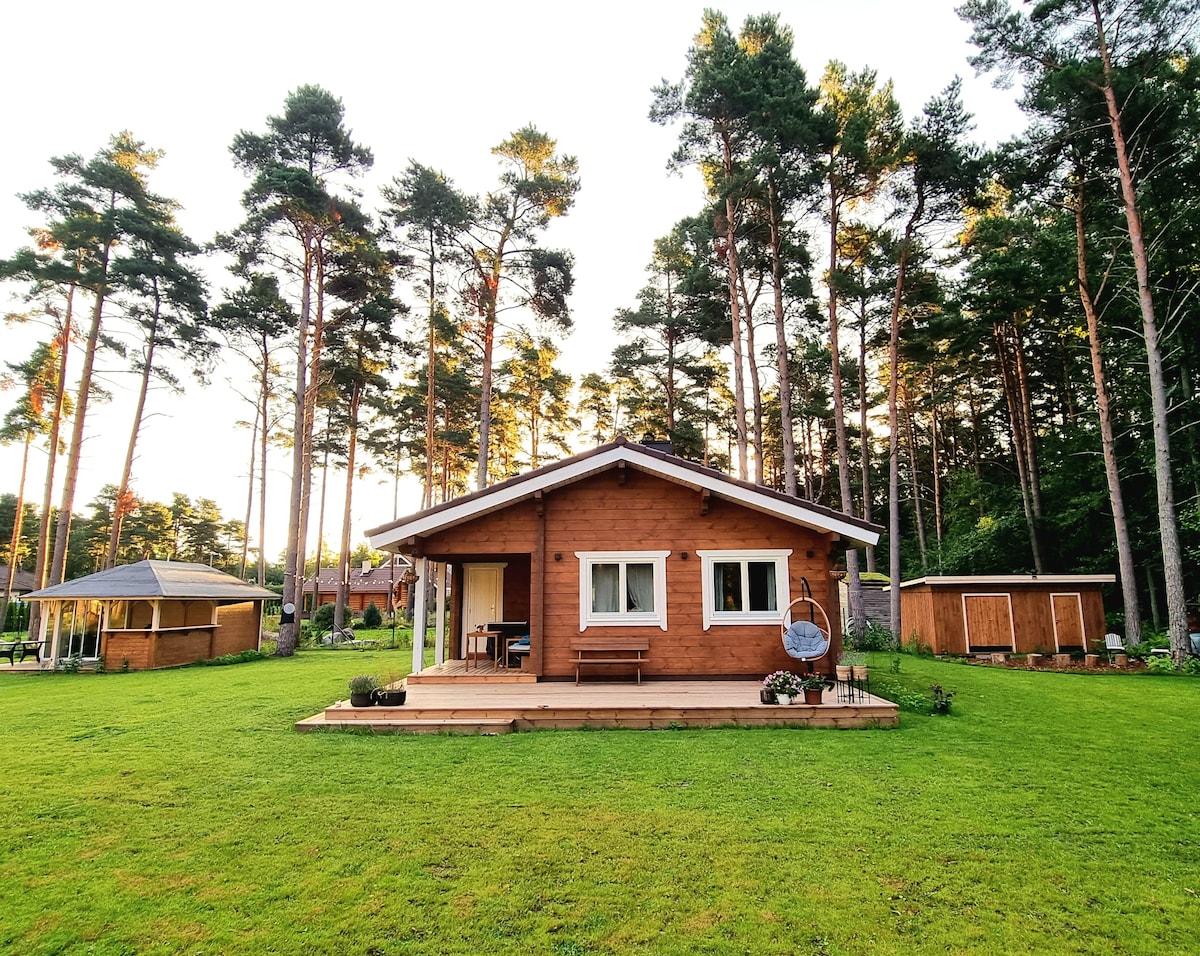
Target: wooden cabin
x,y
384,585
150,614
627,545
1012,613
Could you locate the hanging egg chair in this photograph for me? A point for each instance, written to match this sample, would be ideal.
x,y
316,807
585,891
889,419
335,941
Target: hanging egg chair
x,y
806,638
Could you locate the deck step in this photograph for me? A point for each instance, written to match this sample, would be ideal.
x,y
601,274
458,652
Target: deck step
x,y
435,725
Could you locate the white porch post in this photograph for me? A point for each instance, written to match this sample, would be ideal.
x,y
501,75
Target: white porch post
x,y
49,659
420,623
439,628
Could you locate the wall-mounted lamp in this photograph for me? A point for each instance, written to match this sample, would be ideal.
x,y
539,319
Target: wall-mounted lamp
x,y
557,555
684,555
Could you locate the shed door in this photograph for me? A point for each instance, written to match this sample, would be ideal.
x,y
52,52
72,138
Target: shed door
x,y
988,621
1067,610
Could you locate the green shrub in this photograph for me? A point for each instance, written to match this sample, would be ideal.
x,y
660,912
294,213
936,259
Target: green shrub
x,y
322,618
372,617
876,637
1159,664
240,658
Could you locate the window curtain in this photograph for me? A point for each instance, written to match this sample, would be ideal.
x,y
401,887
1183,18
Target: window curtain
x,y
763,596
639,585
606,588
727,587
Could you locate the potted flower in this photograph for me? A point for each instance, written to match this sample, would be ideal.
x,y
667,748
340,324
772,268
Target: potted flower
x,y
783,684
845,665
362,690
813,686
392,692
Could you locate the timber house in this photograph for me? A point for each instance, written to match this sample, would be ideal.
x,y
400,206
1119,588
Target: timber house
x,y
628,545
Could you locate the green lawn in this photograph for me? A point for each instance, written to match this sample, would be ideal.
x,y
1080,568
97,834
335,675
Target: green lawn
x,y
179,812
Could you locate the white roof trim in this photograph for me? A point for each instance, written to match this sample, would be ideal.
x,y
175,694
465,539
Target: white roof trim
x,y
797,513
972,579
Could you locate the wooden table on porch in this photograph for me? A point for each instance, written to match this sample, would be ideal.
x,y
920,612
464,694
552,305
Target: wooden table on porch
x,y
472,636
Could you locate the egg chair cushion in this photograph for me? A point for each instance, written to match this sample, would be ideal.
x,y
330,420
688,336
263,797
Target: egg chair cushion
x,y
804,640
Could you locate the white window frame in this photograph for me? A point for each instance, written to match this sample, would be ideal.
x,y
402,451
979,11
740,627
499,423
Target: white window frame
x,y
589,618
712,616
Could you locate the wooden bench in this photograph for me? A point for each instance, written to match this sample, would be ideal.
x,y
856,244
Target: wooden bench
x,y
9,649
632,650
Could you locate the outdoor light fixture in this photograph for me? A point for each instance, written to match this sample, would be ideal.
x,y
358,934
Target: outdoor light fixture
x,y
409,577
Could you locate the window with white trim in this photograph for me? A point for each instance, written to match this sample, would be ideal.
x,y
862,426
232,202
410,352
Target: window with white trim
x,y
744,587
622,588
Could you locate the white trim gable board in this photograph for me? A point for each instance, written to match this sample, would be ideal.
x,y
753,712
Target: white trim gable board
x,y
857,533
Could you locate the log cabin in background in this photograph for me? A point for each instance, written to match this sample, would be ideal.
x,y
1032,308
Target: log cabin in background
x,y
386,585
635,544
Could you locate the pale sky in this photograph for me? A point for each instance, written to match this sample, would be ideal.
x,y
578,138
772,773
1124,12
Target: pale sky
x,y
438,82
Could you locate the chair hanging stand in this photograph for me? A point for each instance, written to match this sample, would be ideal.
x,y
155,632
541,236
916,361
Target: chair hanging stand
x,y
806,640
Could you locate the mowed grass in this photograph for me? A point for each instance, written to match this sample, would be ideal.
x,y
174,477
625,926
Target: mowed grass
x,y
178,812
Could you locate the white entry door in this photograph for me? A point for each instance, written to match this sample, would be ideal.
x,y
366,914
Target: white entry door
x,y
483,599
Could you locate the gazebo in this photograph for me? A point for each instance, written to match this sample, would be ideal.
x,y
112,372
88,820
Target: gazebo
x,y
150,614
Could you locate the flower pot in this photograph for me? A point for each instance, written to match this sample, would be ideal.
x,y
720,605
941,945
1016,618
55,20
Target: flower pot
x,y
390,698
860,671
783,699
362,700
812,696
844,671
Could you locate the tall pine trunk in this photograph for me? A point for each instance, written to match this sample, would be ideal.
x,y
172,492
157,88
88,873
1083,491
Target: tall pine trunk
x,y
114,532
781,348
853,580
293,592
1108,442
42,555
62,527
1167,521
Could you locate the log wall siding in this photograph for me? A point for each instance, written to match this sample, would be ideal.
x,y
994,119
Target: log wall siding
x,y
147,649
239,628
645,513
935,614
137,648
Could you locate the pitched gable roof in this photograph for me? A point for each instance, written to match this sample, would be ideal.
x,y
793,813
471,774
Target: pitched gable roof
x,y
670,467
156,579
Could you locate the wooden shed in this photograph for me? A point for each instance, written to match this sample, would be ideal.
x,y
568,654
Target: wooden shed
x,y
629,544
150,614
1013,613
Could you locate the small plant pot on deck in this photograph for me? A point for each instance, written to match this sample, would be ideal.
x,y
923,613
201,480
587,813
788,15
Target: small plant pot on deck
x,y
859,671
390,698
844,672
812,696
362,700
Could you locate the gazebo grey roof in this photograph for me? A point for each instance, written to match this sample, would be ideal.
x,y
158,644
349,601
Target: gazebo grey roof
x,y
155,579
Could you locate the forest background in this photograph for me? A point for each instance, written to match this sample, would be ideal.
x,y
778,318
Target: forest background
x,y
968,259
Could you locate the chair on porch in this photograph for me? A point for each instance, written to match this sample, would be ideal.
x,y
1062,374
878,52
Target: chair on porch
x,y
805,640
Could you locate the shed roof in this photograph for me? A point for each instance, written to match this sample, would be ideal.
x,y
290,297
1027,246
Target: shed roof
x,y
614,454
971,580
155,579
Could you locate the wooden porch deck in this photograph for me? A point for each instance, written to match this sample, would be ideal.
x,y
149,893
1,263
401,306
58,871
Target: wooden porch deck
x,y
496,707
481,671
